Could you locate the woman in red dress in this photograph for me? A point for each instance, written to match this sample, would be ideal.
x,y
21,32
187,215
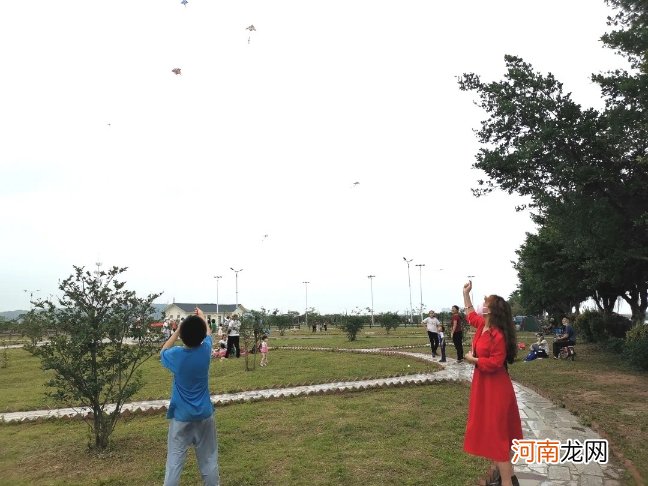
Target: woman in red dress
x,y
493,415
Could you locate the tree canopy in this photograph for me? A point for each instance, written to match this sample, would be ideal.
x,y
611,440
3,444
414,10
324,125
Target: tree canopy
x,y
584,171
102,337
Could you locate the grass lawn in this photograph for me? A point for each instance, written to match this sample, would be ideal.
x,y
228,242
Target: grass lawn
x,y
374,337
409,435
22,381
602,390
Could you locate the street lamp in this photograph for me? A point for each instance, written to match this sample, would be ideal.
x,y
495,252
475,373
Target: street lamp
x,y
409,282
217,277
31,295
306,311
421,265
371,277
236,272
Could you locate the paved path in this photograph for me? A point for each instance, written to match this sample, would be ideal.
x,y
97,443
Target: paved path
x,y
541,419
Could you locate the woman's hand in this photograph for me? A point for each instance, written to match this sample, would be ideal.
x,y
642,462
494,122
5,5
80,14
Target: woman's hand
x,y
467,287
469,357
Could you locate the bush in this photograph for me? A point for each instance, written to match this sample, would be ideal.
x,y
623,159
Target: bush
x,y
617,326
389,320
351,325
615,345
636,346
596,327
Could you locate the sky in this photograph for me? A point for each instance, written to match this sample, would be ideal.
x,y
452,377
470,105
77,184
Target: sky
x,y
109,157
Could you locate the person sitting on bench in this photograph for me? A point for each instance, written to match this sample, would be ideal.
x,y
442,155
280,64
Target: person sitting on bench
x,y
568,338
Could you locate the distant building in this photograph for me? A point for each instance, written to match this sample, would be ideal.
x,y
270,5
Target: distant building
x,y
178,311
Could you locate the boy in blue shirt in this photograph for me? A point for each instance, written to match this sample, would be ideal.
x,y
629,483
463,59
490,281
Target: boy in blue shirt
x,y
191,412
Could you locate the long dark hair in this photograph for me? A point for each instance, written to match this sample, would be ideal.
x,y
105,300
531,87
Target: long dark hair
x,y
500,316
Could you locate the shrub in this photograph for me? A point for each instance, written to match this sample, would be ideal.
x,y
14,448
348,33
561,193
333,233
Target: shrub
x,y
587,325
596,327
636,346
389,320
615,345
617,326
351,325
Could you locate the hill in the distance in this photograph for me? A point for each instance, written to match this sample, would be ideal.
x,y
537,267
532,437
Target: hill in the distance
x,y
10,315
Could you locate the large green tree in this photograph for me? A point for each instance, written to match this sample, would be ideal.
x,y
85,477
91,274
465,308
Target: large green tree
x,y
102,339
582,170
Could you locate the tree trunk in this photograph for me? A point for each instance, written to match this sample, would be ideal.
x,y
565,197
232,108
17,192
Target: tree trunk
x,y
101,432
637,299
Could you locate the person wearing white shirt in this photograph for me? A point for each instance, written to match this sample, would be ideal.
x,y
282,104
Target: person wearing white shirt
x,y
233,330
432,323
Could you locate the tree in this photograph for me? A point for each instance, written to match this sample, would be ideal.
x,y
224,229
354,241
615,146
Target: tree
x,y
103,337
389,320
515,301
352,324
551,279
253,325
579,166
33,326
280,321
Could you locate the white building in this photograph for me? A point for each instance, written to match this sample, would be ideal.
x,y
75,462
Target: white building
x,y
178,311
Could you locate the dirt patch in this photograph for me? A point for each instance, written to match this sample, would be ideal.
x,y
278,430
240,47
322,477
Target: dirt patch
x,y
594,396
638,383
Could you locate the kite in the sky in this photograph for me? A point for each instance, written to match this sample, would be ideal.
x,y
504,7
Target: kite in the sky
x,y
184,2
251,28
356,184
176,71
264,237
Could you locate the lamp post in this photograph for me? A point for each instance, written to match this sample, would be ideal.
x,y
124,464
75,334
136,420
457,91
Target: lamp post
x,y
236,272
31,295
371,277
306,310
421,265
217,277
409,282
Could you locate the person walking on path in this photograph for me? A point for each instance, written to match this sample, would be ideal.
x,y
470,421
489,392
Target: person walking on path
x,y
432,323
442,343
493,414
264,351
233,334
457,333
190,413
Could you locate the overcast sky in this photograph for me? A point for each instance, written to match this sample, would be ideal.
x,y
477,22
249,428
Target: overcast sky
x,y
107,156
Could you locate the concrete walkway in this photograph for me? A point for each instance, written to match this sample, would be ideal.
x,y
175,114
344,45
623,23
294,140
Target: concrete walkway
x,y
541,419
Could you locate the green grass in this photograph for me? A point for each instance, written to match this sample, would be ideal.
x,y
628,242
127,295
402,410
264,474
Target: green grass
x,y
602,390
23,380
408,435
375,337
394,436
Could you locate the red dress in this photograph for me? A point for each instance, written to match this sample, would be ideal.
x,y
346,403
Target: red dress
x,y
493,415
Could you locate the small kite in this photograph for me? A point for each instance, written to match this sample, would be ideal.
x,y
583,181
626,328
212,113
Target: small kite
x,y
264,237
176,71
356,184
184,2
251,28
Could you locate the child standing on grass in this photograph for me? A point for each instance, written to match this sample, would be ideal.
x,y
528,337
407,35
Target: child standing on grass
x,y
442,343
264,351
190,413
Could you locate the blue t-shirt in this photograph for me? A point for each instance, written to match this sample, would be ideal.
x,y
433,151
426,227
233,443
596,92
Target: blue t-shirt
x,y
190,390
571,334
